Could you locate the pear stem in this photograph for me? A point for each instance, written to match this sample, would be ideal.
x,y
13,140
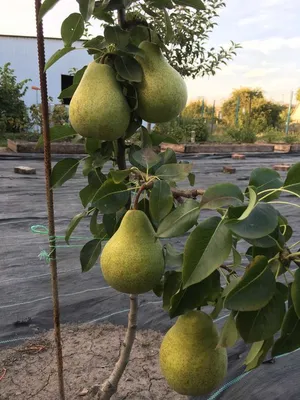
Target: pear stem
x,y
111,384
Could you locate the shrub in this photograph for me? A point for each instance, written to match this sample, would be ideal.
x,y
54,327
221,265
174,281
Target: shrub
x,y
11,104
59,115
241,135
272,135
181,129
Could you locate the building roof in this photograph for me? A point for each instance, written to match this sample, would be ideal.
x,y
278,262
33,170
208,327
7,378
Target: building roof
x,y
33,37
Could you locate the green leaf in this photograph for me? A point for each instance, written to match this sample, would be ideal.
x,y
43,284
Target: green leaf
x,y
73,224
174,172
290,334
87,166
58,132
179,221
229,334
116,35
87,194
261,222
91,145
237,258
264,179
207,247
166,157
95,45
89,254
86,8
96,178
45,7
133,126
57,55
128,68
103,15
63,171
161,200
252,203
68,92
157,139
196,295
172,282
255,289
112,221
97,230
78,75
172,257
119,176
295,292
169,30
221,195
111,197
258,354
72,29
197,4
191,178
292,181
143,158
145,137
264,323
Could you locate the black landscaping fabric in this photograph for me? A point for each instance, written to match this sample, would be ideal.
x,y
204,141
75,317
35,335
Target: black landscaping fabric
x,y
25,292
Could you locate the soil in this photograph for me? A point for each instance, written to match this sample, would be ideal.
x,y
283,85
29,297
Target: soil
x,y
89,356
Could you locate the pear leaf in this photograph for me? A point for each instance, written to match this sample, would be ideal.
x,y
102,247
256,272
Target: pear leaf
x,y
179,221
72,29
87,194
197,4
295,292
255,289
174,172
89,254
73,224
207,247
119,176
97,230
172,257
290,334
229,334
264,179
292,181
128,68
111,197
45,7
169,29
57,55
161,200
86,8
63,170
57,132
220,195
264,323
258,354
68,92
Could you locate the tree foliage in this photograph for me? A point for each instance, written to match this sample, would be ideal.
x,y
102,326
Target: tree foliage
x,y
254,111
13,111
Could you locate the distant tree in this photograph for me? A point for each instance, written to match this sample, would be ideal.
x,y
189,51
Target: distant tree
x,y
254,110
197,109
12,108
298,95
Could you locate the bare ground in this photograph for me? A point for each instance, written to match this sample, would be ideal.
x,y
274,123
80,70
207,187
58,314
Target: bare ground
x,y
89,356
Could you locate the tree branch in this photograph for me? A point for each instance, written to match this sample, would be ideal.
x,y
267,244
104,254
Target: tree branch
x,y
111,384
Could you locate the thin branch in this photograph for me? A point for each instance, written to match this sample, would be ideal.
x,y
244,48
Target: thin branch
x,y
137,197
111,384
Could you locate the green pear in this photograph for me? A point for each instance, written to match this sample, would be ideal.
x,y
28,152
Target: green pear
x,y
132,261
162,94
98,108
189,359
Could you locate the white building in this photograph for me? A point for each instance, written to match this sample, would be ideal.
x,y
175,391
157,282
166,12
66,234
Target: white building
x,y
21,52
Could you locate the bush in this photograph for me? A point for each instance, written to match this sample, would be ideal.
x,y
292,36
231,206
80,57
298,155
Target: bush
x,y
272,135
12,106
58,116
181,129
241,135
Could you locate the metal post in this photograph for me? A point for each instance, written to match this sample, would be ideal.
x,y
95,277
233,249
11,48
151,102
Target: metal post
x,y
49,195
202,109
213,117
287,125
237,110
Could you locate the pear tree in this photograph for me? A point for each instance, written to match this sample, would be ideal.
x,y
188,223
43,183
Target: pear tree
x,y
136,191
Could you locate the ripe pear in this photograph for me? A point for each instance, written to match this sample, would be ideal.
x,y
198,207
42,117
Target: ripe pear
x,y
98,108
189,359
132,261
162,94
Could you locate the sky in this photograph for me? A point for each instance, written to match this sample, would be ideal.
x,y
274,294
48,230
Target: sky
x,y
268,31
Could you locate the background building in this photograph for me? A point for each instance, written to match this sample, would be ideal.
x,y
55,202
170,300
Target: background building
x,y
21,52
